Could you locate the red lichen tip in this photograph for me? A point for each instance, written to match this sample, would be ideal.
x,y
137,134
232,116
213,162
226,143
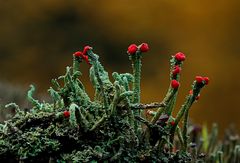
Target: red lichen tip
x,y
144,47
172,123
180,56
78,54
175,84
199,79
206,79
66,114
176,70
86,59
132,49
191,92
85,49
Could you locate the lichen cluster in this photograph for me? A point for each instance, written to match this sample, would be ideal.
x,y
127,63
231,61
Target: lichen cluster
x,y
112,127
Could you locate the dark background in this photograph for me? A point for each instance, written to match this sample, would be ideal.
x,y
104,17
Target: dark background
x,y
37,39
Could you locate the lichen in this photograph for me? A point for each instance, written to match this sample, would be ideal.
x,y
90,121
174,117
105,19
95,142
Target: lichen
x,y
112,127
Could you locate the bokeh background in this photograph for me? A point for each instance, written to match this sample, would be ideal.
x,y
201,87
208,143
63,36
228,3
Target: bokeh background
x,y
37,39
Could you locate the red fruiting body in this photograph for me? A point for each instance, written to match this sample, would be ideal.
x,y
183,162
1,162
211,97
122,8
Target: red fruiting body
x,y
199,79
175,84
191,92
78,54
85,49
176,70
66,114
206,79
172,123
132,49
86,59
180,56
144,47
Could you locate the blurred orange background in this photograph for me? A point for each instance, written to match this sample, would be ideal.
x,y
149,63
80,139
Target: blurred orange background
x,y
37,39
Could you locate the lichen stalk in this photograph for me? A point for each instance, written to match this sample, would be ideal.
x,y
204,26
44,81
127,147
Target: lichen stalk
x,y
97,66
180,136
136,65
184,131
175,69
184,111
76,64
166,102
